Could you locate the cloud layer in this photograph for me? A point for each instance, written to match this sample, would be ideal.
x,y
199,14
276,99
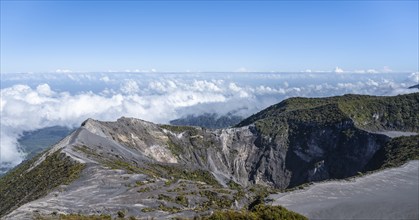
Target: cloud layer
x,y
33,101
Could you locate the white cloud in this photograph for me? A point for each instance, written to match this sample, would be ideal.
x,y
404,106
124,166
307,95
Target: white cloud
x,y
203,85
414,77
63,71
359,71
241,70
372,71
338,70
10,155
24,108
130,87
371,82
387,69
159,87
160,98
233,87
262,90
44,90
105,79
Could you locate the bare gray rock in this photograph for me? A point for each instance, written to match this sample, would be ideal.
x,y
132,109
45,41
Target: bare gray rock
x,y
163,171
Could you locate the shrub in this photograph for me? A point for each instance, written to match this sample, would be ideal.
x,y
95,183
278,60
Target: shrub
x,y
260,211
121,214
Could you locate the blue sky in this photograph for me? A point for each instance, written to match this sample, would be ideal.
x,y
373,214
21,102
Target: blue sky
x,y
42,36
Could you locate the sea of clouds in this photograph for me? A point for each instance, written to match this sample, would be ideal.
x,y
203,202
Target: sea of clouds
x,y
31,101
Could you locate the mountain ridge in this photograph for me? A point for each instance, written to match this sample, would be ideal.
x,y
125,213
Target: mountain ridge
x,y
286,145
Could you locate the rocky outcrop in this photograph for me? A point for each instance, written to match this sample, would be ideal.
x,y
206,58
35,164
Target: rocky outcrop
x,y
291,143
308,152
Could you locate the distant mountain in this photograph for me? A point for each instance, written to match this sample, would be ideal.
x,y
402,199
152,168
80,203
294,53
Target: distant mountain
x,y
414,87
208,120
136,168
33,142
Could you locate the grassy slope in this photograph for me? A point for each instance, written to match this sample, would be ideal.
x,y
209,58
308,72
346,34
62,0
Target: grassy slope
x,y
399,150
369,112
398,113
366,112
395,153
18,186
264,212
258,212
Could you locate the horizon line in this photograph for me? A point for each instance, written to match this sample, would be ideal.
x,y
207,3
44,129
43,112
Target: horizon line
x,y
204,72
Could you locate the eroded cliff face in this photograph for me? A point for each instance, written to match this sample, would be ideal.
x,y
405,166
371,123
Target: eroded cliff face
x,y
162,171
302,153
332,152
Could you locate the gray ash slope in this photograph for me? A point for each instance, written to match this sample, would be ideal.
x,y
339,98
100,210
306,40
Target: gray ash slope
x,y
388,194
161,171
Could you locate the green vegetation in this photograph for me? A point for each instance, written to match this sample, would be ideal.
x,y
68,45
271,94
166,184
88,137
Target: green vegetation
x,y
165,198
182,200
84,149
240,194
168,183
174,148
234,185
261,191
165,171
290,121
294,119
18,186
85,217
119,164
400,150
258,212
121,214
240,191
208,120
374,112
290,105
148,209
215,200
394,153
140,183
184,173
325,115
169,209
369,112
191,131
145,189
263,212
73,217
